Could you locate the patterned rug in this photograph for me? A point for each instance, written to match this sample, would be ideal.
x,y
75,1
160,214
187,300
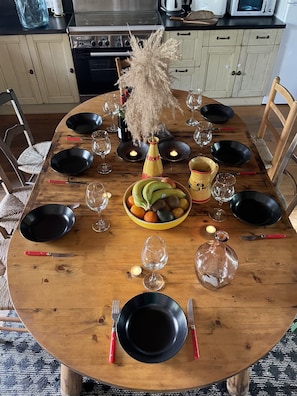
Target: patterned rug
x,y
28,370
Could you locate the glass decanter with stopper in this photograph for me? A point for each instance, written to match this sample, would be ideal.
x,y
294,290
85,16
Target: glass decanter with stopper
x,y
216,262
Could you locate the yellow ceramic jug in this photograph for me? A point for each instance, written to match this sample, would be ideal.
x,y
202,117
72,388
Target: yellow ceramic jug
x,y
203,171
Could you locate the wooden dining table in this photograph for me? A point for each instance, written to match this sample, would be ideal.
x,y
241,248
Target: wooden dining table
x,y
65,302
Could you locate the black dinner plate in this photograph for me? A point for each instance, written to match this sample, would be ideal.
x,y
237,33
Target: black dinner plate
x,y
125,148
182,149
255,208
230,152
217,113
72,161
84,123
47,223
152,327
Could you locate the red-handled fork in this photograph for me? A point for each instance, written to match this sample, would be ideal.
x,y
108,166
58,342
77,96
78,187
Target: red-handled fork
x,y
115,311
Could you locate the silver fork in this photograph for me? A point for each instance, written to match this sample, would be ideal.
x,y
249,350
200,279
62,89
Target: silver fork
x,y
115,311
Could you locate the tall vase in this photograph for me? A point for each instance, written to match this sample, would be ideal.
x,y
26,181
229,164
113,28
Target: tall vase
x,y
32,13
152,166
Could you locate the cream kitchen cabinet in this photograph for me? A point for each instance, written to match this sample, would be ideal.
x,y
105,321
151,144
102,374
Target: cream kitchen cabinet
x,y
232,65
39,68
184,71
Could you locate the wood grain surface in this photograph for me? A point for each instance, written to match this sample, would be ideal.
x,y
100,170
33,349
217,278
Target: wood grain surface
x,y
66,302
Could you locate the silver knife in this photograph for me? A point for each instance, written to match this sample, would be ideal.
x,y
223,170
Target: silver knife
x,y
190,314
34,253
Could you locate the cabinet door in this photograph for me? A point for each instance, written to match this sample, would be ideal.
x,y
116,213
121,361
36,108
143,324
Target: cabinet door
x,y
17,71
218,68
254,70
53,63
190,47
184,78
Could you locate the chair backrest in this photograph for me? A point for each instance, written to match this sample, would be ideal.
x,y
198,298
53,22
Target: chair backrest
x,y
121,64
286,121
22,126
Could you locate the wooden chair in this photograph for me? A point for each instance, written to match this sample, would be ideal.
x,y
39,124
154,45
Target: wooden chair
x,y
31,159
121,64
272,114
11,209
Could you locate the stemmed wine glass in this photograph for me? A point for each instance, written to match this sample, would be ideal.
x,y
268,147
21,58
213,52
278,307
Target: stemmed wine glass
x,y
193,102
111,107
203,134
101,145
97,200
154,257
222,191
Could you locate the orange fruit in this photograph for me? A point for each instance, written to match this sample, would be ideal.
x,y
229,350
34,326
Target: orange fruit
x,y
137,211
130,201
151,216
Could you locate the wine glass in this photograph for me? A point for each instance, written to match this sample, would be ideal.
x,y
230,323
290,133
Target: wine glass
x,y
222,191
97,200
101,145
203,134
111,107
193,102
154,257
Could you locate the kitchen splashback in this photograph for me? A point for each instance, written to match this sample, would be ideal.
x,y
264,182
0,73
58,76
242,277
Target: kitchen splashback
x,y
114,5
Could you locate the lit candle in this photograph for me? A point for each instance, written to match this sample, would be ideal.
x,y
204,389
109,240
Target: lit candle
x,y
173,153
133,153
210,229
136,270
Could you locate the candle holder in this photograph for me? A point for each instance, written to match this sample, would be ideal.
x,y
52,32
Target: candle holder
x,y
132,152
174,151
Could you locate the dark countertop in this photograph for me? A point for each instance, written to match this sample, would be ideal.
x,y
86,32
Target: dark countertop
x,y
10,25
227,22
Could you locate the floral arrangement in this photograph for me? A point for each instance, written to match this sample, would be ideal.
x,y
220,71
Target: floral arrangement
x,y
149,79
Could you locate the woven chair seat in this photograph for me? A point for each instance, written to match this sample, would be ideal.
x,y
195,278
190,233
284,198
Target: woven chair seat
x,y
31,159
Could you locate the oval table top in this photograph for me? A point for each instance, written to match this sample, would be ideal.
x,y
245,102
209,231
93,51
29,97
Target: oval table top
x,y
66,302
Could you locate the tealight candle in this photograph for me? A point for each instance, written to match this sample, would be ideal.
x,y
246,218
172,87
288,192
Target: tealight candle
x,y
173,153
136,270
133,153
210,229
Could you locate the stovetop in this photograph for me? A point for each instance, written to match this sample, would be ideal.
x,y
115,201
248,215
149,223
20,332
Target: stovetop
x,y
115,21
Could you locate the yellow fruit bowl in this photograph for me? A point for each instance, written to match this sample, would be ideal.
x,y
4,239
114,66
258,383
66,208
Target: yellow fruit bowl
x,y
160,226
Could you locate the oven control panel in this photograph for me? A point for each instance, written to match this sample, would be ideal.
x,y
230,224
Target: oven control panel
x,y
104,41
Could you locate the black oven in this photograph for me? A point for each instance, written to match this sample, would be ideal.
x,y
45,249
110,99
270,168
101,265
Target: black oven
x,y
95,71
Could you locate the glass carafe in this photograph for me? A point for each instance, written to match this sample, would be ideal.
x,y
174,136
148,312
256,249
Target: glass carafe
x,y
216,262
32,13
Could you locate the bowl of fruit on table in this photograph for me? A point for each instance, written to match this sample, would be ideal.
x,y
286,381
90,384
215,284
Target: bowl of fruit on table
x,y
157,203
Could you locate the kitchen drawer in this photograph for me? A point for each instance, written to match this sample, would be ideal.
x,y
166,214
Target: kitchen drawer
x,y
262,36
216,38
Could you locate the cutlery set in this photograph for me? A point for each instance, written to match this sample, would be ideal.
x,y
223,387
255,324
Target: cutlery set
x,y
115,312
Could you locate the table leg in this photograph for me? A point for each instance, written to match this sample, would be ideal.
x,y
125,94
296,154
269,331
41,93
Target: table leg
x,y
238,385
71,382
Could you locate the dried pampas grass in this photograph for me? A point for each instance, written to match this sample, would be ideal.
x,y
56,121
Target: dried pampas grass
x,y
150,80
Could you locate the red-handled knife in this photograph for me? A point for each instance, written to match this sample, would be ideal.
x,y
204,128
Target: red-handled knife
x,y
262,236
243,173
77,139
34,253
66,182
191,321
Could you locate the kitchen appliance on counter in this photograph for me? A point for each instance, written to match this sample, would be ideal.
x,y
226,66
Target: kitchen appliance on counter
x,y
218,7
172,7
251,7
100,32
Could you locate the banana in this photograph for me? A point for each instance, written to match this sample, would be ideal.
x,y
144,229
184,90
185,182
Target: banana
x,y
166,192
137,193
149,188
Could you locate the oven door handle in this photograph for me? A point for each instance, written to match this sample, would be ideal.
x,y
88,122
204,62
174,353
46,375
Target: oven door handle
x,y
101,54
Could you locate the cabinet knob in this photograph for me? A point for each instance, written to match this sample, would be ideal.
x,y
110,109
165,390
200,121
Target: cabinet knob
x,y
71,70
223,38
184,34
234,73
31,71
263,37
